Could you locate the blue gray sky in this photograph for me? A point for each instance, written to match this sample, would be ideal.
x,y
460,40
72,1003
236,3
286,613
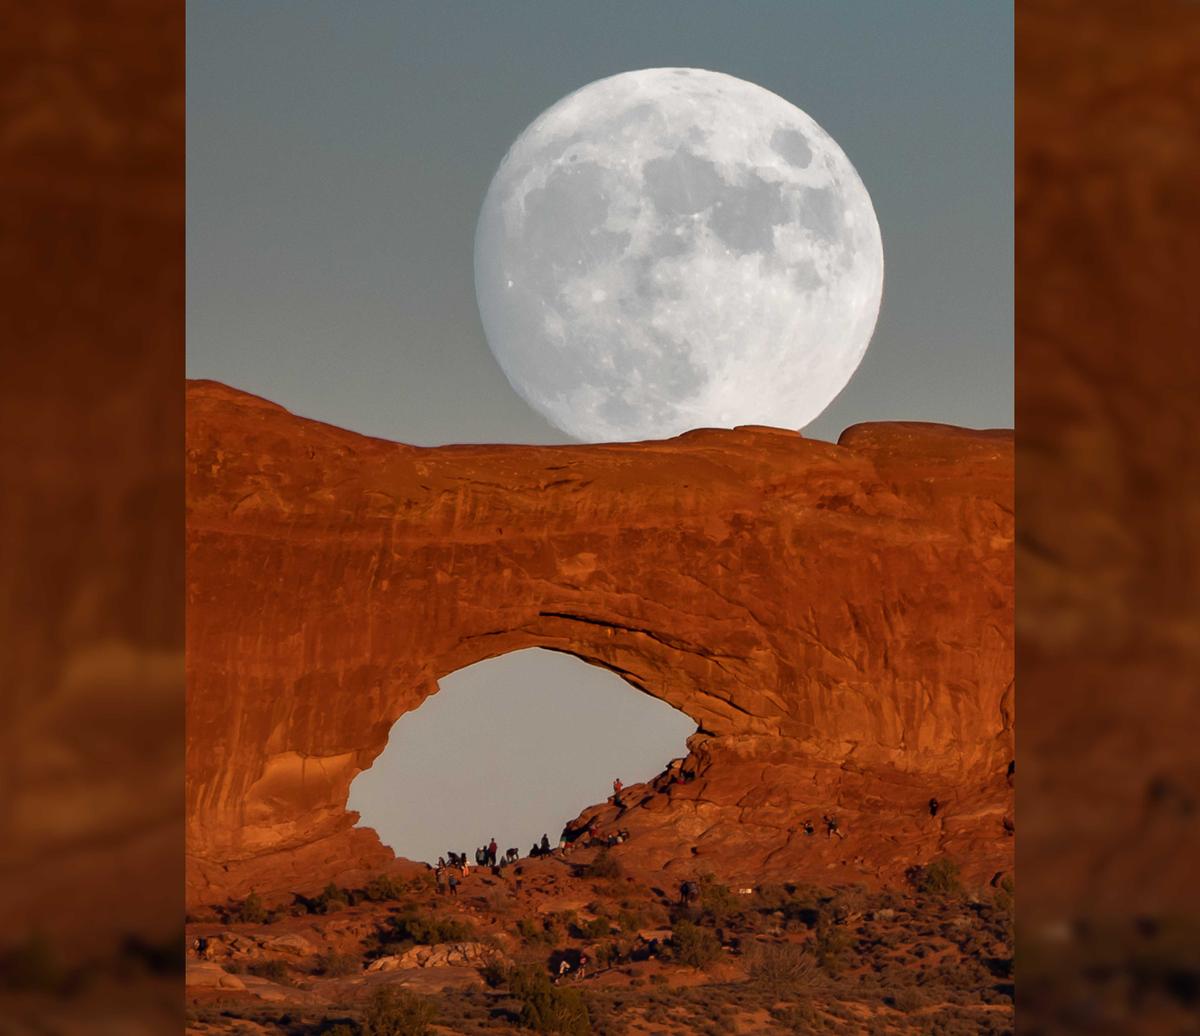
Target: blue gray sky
x,y
338,155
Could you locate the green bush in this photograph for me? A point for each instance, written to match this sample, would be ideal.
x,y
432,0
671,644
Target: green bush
x,y
546,1007
939,878
694,945
393,1011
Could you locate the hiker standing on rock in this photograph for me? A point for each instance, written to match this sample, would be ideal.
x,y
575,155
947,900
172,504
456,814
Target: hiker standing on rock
x,y
831,827
933,807
545,844
492,850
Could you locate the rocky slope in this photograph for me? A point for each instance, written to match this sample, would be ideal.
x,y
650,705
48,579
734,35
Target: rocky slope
x,y
836,618
776,959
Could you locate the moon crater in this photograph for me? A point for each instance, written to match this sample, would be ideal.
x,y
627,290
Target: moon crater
x,y
671,248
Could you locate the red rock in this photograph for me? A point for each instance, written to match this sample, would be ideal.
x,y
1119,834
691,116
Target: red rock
x,y
836,618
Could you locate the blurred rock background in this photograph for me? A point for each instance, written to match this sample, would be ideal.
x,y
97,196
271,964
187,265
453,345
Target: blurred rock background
x,y
1108,502
91,513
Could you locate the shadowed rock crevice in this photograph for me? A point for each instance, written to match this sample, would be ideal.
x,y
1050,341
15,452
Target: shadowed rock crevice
x,y
835,618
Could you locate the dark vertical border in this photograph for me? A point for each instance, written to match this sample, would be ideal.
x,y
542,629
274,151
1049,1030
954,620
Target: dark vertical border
x,y
91,515
1108,505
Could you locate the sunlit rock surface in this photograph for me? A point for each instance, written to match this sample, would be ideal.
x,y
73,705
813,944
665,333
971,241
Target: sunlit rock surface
x,y
836,618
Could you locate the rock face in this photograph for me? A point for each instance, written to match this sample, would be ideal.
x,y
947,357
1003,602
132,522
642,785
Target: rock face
x,y
837,619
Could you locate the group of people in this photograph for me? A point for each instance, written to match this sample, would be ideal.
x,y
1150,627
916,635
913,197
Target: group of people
x,y
592,837
541,848
455,865
831,826
573,965
565,969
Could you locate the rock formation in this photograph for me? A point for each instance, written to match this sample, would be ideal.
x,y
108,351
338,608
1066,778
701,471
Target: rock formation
x,y
837,619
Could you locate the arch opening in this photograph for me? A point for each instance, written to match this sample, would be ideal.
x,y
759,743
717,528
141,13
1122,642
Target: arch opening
x,y
512,747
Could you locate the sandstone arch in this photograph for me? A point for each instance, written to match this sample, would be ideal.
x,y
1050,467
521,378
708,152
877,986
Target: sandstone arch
x,y
514,747
837,620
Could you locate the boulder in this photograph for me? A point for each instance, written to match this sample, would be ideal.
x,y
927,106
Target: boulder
x,y
442,955
203,974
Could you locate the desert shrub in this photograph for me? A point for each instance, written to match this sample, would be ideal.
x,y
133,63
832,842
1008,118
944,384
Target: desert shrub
x,y
832,946
796,1017
717,902
632,917
694,945
249,911
531,931
597,928
939,878
803,906
907,1000
658,979
383,887
331,899
493,974
606,954
336,965
770,897
558,926
605,865
847,902
1003,899
393,1011
426,930
783,968
272,970
546,1007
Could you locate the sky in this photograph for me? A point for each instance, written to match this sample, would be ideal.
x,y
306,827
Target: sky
x,y
338,156
581,726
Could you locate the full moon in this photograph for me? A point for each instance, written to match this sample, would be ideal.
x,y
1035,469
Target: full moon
x,y
674,248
